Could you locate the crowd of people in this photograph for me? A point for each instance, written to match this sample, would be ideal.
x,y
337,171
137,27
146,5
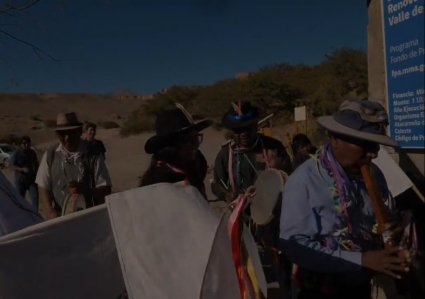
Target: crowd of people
x,y
326,231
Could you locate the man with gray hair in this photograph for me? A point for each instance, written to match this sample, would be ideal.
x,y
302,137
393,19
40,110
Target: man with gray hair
x,y
70,178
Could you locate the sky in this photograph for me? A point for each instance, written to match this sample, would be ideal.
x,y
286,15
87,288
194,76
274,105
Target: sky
x,y
103,46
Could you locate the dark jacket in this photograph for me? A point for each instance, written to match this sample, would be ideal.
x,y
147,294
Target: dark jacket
x,y
94,147
194,172
245,165
25,158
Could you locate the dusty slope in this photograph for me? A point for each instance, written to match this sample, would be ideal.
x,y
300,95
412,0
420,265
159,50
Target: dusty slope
x,y
26,113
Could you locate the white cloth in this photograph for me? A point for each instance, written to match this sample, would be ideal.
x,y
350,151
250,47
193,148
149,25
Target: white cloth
x,y
43,179
397,180
171,244
69,257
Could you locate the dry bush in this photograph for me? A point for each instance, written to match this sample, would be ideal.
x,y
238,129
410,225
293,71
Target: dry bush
x,y
108,124
11,139
49,123
136,124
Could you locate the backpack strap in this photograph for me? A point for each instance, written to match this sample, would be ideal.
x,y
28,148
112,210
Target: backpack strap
x,y
50,155
89,160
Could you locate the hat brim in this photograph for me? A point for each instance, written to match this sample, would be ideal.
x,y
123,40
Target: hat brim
x,y
268,189
330,124
64,128
158,141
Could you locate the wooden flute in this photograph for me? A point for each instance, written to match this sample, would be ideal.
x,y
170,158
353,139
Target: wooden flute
x,y
381,215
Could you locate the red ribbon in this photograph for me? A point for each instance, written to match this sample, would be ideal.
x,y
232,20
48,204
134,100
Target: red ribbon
x,y
234,229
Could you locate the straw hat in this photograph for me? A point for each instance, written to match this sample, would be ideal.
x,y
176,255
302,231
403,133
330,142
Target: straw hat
x,y
67,121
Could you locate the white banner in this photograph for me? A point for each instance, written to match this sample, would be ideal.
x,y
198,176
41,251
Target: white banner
x,y
65,258
171,244
397,180
163,240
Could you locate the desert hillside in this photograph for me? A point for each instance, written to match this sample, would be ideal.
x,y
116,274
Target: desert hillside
x,y
29,113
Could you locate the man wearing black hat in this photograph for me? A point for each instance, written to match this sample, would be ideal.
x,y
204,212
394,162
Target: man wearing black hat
x,y
175,150
329,217
239,161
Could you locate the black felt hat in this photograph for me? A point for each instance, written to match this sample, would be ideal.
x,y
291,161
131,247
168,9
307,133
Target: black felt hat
x,y
169,125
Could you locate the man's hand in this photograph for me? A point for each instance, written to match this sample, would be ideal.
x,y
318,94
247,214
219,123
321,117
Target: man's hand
x,y
389,261
46,208
250,191
49,214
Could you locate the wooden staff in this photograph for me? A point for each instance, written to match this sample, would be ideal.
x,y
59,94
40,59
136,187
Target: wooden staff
x,y
382,219
377,204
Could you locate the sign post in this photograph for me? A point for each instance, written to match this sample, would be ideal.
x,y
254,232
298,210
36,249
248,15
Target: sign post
x,y
403,27
300,114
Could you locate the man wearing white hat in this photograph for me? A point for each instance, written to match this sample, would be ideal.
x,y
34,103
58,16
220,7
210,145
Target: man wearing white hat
x,y
70,179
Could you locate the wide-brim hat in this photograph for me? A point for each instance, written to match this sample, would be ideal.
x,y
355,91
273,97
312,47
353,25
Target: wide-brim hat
x,y
240,116
67,121
360,119
169,125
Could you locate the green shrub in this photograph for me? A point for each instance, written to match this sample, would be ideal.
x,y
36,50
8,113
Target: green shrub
x,y
50,123
274,89
108,124
136,124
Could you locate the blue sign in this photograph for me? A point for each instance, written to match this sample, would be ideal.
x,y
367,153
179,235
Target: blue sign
x,y
403,24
